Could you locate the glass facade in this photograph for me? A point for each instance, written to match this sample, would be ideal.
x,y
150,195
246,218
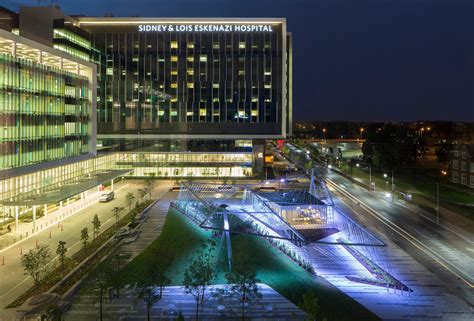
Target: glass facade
x,y
184,82
45,110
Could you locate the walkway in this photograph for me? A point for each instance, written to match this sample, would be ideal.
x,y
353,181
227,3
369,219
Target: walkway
x,y
272,306
13,282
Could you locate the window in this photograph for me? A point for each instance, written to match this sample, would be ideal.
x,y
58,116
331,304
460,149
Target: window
x,y
268,86
174,72
455,164
241,72
456,153
190,71
110,71
463,166
215,45
471,179
190,85
267,73
174,58
464,155
472,167
190,45
174,85
464,179
190,59
215,85
203,58
135,59
174,45
242,45
202,112
455,177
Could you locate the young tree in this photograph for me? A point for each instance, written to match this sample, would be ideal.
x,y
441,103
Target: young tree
x,y
141,194
97,284
96,225
129,199
85,236
117,262
310,305
147,287
61,251
243,280
117,211
199,275
35,262
149,185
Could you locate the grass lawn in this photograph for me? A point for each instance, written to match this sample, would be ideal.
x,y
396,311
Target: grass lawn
x,y
180,240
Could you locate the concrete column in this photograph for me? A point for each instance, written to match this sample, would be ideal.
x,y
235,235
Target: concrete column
x,y
45,210
112,184
34,216
67,202
17,209
61,207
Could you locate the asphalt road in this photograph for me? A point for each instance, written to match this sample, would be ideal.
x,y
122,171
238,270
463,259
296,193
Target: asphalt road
x,y
448,255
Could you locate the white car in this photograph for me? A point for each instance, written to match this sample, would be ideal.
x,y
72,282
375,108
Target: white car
x,y
107,196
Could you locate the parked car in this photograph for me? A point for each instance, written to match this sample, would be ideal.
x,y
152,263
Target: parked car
x,y
107,196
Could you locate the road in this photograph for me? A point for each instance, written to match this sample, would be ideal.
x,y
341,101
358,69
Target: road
x,y
13,282
447,254
444,253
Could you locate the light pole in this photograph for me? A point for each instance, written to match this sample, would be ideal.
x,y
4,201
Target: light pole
x,y
386,182
437,202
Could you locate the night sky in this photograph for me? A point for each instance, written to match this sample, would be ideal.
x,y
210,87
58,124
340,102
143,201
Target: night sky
x,y
357,60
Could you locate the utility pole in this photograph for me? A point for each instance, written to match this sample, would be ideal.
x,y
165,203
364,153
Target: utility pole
x,y
437,202
393,185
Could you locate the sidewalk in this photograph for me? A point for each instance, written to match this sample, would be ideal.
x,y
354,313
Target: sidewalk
x,y
14,282
30,229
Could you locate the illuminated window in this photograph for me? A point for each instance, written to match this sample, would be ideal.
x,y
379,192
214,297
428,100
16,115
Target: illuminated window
x,y
174,72
191,45
189,113
135,59
190,85
215,45
190,59
174,45
174,85
203,58
110,71
190,71
174,58
173,100
268,73
242,45
174,113
215,85
241,72
202,112
215,100
268,86
254,113
254,99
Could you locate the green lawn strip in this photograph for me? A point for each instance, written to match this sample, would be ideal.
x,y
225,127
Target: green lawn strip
x,y
180,240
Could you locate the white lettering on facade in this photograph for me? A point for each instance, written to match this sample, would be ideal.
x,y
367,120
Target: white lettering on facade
x,y
205,28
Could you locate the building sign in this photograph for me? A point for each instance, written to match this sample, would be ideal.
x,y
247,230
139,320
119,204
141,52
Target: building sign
x,y
205,28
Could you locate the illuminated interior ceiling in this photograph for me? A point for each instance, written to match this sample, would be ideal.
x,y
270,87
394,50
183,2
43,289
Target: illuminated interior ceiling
x,y
58,192
21,50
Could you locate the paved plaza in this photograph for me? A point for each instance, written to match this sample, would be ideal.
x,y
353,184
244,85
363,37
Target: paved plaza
x,y
272,306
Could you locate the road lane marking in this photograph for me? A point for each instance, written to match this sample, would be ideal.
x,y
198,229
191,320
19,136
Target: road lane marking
x,y
401,232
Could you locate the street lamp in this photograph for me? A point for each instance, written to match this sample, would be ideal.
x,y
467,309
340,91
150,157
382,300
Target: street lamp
x,y
282,180
324,133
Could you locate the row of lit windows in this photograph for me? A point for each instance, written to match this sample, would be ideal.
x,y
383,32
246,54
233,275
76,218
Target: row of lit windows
x,y
72,37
